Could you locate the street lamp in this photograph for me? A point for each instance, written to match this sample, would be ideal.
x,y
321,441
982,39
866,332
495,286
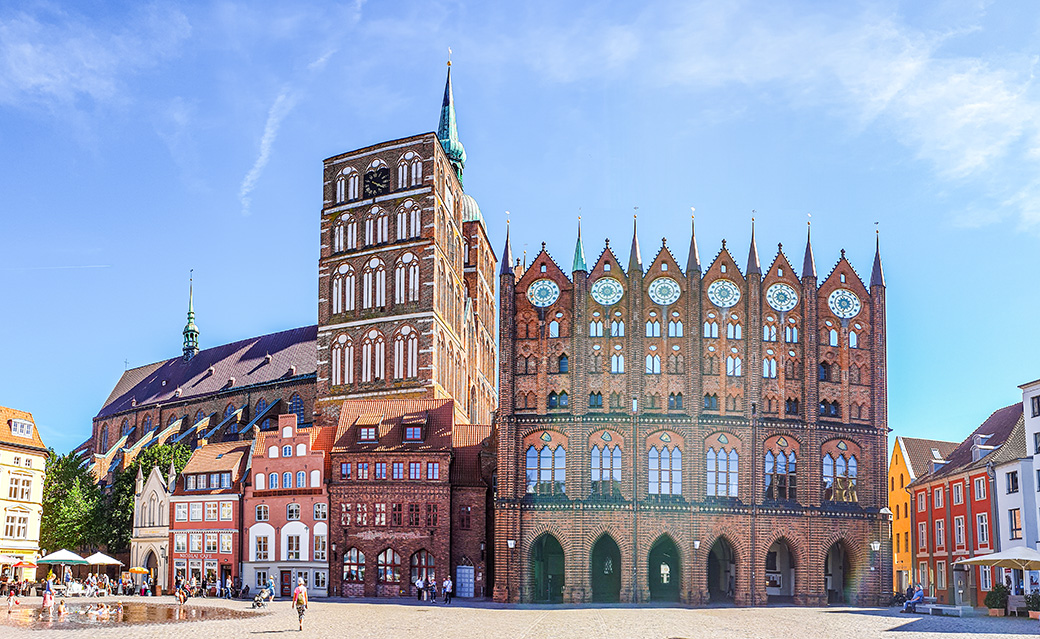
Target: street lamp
x,y
511,544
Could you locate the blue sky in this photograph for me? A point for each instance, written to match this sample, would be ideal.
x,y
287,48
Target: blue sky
x,y
140,141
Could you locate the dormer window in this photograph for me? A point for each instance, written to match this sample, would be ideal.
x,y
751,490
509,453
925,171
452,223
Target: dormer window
x,y
21,428
367,434
413,433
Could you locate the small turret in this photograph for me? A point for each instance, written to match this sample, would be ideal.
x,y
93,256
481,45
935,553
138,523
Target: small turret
x,y
693,262
171,477
809,263
877,275
753,265
139,482
448,132
191,331
635,262
579,253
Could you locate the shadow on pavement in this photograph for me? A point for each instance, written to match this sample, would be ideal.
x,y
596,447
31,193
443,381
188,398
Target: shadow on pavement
x,y
973,625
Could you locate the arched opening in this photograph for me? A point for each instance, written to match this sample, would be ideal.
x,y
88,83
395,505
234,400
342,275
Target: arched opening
x,y
547,569
605,570
722,573
780,567
664,570
838,573
151,564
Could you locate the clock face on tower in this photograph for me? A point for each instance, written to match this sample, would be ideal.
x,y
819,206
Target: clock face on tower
x,y
607,291
723,293
543,292
782,297
664,291
844,303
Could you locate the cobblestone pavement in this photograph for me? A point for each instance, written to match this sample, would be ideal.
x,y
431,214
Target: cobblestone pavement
x,y
372,619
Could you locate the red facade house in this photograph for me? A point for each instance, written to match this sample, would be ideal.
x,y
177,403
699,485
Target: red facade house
x,y
951,511
206,513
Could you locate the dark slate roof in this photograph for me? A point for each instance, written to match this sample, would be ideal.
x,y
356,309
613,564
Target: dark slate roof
x,y
244,360
1015,446
999,426
918,452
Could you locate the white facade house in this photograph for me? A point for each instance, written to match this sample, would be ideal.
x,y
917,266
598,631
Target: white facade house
x,y
150,544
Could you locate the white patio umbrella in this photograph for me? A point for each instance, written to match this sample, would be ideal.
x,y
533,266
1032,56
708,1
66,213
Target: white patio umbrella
x,y
1018,557
101,559
66,557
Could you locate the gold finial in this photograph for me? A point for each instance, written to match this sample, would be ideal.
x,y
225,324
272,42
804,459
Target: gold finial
x,y
693,212
753,212
876,230
809,222
449,56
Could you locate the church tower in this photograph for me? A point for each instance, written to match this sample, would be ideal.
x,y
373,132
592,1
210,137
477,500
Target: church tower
x,y
406,277
191,331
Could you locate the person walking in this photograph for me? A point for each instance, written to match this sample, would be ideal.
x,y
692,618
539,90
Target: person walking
x,y
420,589
447,588
299,600
228,584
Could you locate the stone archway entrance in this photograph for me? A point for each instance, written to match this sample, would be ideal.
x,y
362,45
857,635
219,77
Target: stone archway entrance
x,y
780,572
664,570
838,574
547,569
605,570
722,574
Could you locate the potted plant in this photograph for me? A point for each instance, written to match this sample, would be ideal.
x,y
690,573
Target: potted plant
x,y
996,600
1033,604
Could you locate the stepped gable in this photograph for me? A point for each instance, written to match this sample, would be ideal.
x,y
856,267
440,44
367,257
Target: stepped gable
x,y
390,417
245,360
998,425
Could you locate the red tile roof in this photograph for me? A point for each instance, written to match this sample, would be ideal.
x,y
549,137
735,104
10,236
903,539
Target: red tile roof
x,y
220,457
7,436
997,426
245,361
918,452
390,415
468,440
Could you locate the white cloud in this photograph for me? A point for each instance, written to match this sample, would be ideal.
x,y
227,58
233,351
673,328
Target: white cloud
x,y
283,104
59,61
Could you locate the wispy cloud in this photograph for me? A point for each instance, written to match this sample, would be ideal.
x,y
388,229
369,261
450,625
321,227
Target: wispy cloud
x,y
56,268
283,104
59,61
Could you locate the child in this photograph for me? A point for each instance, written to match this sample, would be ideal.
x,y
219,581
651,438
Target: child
x,y
61,608
11,601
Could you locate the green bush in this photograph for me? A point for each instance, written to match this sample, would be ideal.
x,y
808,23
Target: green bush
x,y
1033,601
997,598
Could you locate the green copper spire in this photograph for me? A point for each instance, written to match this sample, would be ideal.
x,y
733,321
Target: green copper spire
x,y
579,252
448,132
191,332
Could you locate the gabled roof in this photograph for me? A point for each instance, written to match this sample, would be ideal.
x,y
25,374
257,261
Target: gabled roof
x,y
389,416
918,452
467,440
246,361
1014,448
997,426
220,457
8,437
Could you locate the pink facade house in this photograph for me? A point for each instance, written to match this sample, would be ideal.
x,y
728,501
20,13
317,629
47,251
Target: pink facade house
x,y
287,509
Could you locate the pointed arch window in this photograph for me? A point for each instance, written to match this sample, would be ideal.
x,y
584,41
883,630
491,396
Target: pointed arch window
x,y
596,329
734,366
676,364
296,406
722,472
229,410
124,428
675,328
341,189
853,339
768,332
342,361
554,329
675,401
792,369
839,478
402,175
653,328
417,172
388,567
563,364
546,470
711,329
373,356
408,221
769,368
854,376
734,330
373,284
406,279
617,363
338,236
595,400
422,565
147,425
353,182
665,471
198,416
354,566
653,364
711,365
780,477
711,401
617,328
606,470
791,406
832,337
791,334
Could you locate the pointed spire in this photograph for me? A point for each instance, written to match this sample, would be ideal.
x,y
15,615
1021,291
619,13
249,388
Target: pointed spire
x,y
693,262
877,275
448,132
139,482
507,254
635,262
579,252
191,331
753,265
171,477
809,263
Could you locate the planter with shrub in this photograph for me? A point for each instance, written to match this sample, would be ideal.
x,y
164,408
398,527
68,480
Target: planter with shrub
x,y
996,600
1033,604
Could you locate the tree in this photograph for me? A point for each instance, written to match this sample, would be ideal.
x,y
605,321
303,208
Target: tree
x,y
70,499
116,512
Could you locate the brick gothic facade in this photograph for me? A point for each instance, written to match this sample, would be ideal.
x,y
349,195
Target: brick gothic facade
x,y
637,431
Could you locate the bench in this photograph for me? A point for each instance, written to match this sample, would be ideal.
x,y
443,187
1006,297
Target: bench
x,y
1017,604
940,609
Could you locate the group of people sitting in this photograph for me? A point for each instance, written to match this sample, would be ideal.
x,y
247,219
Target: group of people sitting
x,y
191,587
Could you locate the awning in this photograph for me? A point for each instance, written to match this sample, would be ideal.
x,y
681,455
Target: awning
x,y
1018,557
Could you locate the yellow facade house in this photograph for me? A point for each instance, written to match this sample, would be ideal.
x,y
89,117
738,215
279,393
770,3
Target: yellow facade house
x,y
23,459
911,458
